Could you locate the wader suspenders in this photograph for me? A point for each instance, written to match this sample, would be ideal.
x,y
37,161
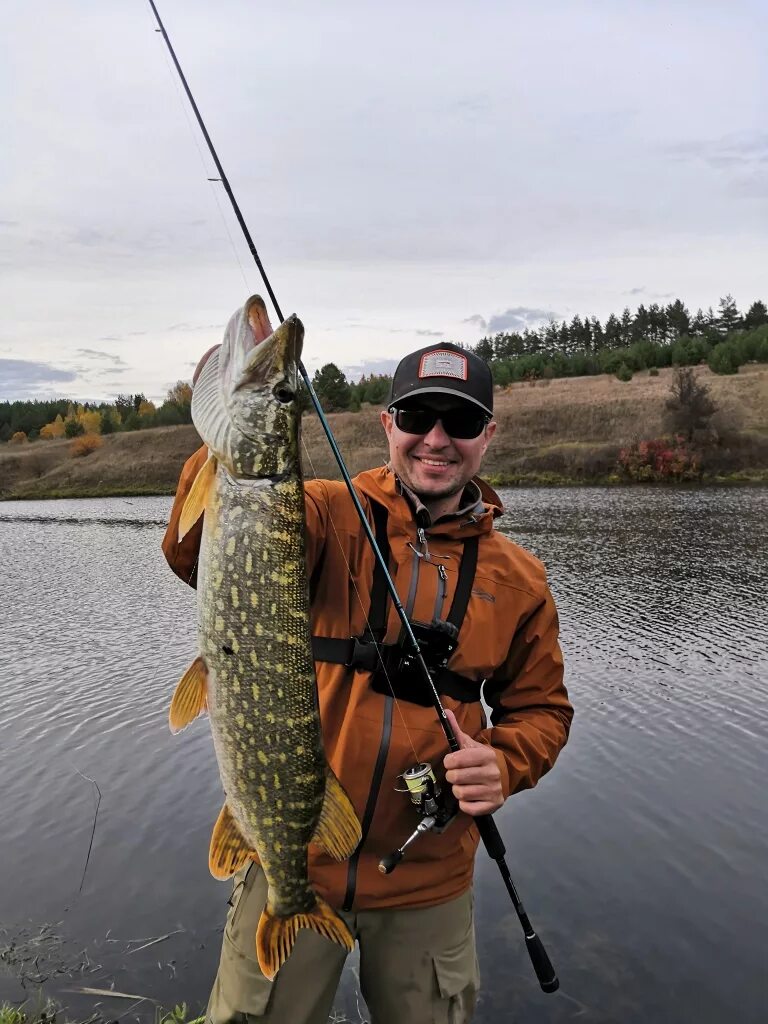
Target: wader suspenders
x,y
384,661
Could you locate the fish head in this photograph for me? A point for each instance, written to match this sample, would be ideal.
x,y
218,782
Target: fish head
x,y
244,404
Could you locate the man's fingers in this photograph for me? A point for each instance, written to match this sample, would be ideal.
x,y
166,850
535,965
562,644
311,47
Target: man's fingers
x,y
470,757
475,775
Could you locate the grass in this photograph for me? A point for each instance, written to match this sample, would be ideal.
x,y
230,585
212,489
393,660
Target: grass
x,y
48,1013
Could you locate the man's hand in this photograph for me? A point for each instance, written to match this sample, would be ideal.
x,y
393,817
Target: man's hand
x,y
473,773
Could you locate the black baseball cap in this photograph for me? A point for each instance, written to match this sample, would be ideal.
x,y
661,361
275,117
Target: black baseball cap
x,y
443,369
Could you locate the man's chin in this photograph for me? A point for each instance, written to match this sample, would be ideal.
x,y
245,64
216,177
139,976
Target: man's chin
x,y
435,490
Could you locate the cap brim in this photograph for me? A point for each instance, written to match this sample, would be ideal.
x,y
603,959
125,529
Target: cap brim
x,y
441,391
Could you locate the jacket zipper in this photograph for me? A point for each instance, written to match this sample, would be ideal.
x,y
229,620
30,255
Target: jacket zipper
x,y
381,756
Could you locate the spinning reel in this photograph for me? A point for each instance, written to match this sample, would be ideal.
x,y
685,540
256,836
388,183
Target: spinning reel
x,y
435,804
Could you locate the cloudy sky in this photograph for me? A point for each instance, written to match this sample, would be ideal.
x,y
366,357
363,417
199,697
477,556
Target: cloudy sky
x,y
410,171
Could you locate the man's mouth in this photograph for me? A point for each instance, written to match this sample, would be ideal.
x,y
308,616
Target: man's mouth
x,y
436,463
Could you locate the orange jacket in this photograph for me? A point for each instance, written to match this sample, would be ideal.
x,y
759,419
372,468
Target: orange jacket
x,y
508,638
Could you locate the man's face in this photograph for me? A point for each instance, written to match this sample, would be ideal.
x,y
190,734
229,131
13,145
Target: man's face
x,y
434,465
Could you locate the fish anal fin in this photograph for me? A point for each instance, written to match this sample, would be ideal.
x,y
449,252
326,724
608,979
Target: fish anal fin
x,y
190,696
197,499
229,850
338,829
275,935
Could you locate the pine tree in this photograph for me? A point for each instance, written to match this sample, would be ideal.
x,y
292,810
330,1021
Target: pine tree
x,y
612,332
678,320
757,315
332,388
728,317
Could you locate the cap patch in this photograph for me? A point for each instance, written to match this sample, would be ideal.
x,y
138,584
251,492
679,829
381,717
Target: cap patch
x,y
443,363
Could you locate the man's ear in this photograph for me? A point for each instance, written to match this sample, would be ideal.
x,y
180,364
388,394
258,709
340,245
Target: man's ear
x,y
490,430
386,422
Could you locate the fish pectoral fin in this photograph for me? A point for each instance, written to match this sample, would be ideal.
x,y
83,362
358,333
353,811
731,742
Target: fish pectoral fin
x,y
229,851
197,499
190,697
275,935
338,830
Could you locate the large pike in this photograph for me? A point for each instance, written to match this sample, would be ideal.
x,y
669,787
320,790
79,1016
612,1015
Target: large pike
x,y
255,671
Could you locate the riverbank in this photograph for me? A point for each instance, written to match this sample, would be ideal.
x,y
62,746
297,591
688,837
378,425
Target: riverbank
x,y
566,431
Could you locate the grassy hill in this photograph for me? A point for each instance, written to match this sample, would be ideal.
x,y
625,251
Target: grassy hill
x,y
562,430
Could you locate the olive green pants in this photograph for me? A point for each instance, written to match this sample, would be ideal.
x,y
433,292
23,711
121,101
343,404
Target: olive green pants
x,y
416,966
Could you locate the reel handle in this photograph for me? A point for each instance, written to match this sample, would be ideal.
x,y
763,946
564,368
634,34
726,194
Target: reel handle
x,y
389,863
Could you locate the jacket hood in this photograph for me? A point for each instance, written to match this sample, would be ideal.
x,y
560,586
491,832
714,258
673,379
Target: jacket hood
x,y
382,485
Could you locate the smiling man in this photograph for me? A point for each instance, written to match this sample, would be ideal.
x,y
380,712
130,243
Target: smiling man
x,y
462,583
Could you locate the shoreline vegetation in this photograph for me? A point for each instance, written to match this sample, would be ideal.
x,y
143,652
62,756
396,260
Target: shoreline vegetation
x,y
593,430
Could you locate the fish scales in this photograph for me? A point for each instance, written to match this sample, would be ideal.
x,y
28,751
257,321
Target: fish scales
x,y
255,672
263,706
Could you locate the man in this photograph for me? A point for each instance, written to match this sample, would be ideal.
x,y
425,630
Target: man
x,y
463,582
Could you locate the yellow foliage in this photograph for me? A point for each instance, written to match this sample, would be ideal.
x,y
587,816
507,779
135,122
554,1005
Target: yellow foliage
x,y
146,408
19,438
55,429
180,393
84,445
91,421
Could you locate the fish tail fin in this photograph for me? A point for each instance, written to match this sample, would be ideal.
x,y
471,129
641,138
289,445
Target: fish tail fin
x,y
275,935
338,829
190,697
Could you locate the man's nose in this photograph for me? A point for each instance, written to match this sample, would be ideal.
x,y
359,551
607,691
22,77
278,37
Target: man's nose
x,y
437,437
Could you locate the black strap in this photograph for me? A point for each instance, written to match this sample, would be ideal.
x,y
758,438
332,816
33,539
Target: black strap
x,y
377,612
369,653
467,568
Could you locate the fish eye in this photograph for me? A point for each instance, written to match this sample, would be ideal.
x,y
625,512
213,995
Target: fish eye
x,y
283,393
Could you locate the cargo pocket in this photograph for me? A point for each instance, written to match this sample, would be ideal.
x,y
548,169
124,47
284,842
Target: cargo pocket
x,y
457,976
240,987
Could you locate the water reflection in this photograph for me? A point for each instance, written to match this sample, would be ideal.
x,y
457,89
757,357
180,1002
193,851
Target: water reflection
x,y
640,859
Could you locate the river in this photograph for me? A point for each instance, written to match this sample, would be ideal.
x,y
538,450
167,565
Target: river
x,y
641,859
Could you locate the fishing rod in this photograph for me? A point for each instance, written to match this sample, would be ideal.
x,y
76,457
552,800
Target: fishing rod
x,y
486,826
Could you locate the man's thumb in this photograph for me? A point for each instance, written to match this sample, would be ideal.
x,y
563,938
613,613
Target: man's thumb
x,y
462,737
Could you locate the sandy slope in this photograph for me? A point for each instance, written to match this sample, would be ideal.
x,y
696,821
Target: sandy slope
x,y
569,427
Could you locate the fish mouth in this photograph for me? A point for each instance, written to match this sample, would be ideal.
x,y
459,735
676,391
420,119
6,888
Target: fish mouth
x,y
276,359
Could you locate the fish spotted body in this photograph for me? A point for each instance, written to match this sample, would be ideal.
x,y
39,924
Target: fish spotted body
x,y
255,671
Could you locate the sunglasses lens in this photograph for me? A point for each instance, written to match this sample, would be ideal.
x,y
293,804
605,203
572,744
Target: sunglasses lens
x,y
456,422
415,421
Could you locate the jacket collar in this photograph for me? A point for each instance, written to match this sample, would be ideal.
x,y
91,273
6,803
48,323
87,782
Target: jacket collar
x,y
480,504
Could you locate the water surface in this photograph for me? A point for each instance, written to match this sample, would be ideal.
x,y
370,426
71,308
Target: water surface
x,y
641,859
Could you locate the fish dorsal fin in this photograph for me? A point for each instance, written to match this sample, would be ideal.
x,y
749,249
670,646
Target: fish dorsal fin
x,y
190,697
229,851
338,831
275,935
197,499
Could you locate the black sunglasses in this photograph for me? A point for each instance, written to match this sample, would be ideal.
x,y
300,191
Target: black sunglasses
x,y
461,423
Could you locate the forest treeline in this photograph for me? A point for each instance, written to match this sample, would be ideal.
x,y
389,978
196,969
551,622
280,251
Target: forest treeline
x,y
654,336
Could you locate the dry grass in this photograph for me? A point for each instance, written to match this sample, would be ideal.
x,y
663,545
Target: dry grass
x,y
570,428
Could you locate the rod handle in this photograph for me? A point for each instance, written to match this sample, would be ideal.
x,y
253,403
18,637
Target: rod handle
x,y
491,837
545,972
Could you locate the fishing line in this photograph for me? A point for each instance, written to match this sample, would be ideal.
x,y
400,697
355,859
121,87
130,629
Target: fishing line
x,y
382,661
485,824
211,181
